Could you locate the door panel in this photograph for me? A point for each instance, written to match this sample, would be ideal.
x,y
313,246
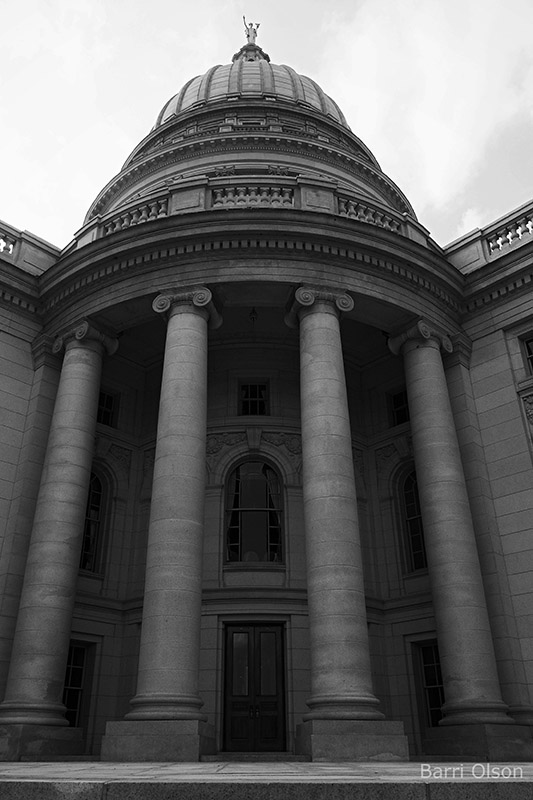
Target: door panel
x,y
254,703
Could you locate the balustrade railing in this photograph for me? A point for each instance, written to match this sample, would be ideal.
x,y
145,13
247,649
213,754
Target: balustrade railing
x,y
7,243
145,212
245,196
369,214
512,232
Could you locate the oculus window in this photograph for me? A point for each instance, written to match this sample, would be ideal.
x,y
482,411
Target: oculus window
x,y
253,514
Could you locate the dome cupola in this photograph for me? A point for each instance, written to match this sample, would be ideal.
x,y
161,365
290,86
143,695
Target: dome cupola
x,y
221,141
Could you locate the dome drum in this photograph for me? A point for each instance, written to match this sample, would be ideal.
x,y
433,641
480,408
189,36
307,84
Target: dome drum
x,y
260,191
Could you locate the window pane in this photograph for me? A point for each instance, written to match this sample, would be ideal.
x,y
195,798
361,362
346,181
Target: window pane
x,y
253,514
240,664
414,534
268,663
92,529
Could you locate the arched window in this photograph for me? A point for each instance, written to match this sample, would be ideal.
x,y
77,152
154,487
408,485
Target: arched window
x,y
93,530
414,532
253,514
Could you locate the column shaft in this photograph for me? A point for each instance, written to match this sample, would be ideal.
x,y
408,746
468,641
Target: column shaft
x,y
465,643
340,661
40,647
170,640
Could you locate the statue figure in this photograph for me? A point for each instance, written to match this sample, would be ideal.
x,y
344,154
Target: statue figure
x,y
250,30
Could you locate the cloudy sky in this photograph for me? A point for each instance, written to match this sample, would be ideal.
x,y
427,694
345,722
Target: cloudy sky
x,y
440,90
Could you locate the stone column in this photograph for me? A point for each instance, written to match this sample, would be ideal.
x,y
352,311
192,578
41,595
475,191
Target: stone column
x,y
471,685
166,720
344,721
40,647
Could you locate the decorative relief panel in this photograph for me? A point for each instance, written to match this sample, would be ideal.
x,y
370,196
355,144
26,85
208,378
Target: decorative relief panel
x,y
216,441
148,473
290,442
359,469
389,455
528,407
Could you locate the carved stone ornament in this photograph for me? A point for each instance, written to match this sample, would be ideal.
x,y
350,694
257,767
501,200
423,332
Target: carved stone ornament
x,y
306,296
84,331
528,407
291,442
121,456
217,441
198,296
423,331
359,465
401,448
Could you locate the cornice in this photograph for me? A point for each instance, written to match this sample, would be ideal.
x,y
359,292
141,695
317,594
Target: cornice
x,y
226,144
500,289
17,301
295,245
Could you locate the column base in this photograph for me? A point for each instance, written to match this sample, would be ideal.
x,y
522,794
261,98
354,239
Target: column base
x,y
480,742
157,740
352,740
26,742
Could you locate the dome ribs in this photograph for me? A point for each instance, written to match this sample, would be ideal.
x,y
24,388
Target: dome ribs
x,y
297,84
235,78
267,78
205,84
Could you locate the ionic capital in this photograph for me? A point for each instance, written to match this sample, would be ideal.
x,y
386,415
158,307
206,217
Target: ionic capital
x,y
84,331
307,296
423,333
199,297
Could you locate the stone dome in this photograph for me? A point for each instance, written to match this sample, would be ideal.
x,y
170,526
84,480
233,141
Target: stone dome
x,y
251,76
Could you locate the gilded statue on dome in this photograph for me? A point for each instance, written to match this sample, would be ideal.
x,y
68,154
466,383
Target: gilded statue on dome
x,y
250,30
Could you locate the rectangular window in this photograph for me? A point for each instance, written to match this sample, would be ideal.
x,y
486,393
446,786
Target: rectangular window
x,y
431,686
398,408
108,409
76,691
528,351
253,399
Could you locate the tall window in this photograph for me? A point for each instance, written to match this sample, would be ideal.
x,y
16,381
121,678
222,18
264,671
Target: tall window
x,y
431,686
414,532
398,408
92,534
528,348
107,413
253,514
76,694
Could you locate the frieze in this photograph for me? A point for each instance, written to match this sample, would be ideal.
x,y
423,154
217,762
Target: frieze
x,y
265,243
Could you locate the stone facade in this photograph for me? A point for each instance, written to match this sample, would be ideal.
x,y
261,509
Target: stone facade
x,y
266,454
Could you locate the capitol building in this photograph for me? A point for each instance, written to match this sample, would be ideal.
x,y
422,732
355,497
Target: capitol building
x,y
265,454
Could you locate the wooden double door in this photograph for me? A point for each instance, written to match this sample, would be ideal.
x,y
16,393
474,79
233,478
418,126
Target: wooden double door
x,y
254,693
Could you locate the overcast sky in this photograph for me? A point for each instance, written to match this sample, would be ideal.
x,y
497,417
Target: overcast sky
x,y
441,91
